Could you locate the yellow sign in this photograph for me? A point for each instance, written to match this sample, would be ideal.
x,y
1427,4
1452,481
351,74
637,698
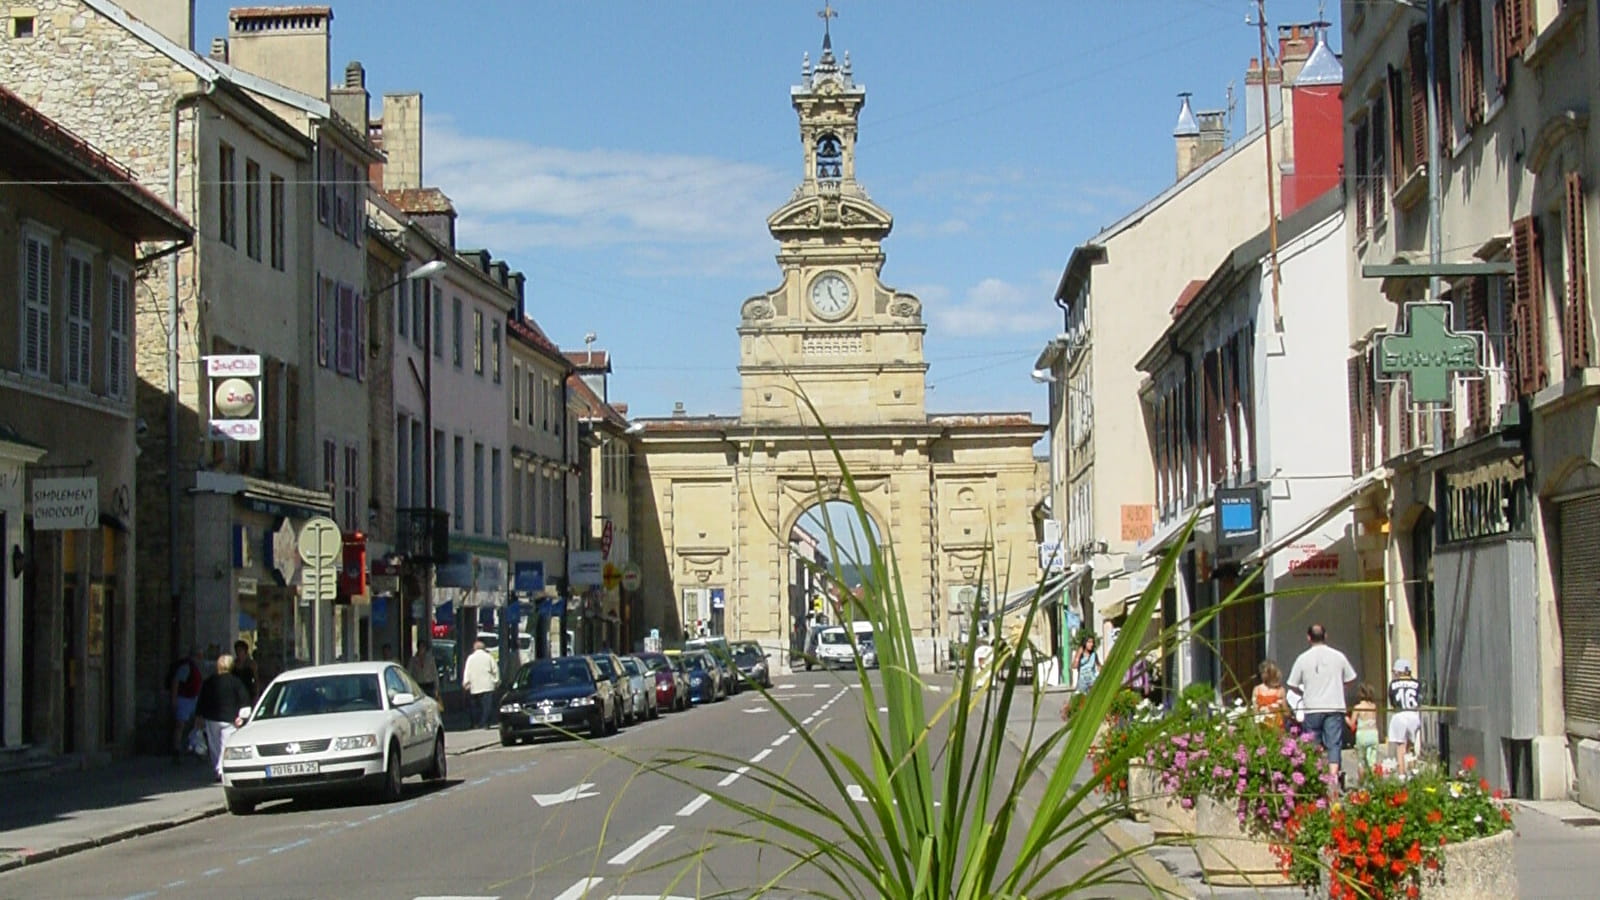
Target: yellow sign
x,y
611,576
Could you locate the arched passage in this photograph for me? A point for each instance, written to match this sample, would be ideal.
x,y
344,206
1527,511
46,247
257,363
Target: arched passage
x,y
826,536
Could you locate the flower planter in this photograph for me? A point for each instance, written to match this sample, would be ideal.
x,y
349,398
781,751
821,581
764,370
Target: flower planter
x,y
1229,854
1152,803
1471,870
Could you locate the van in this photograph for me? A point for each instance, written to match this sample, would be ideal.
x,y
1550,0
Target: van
x,y
834,648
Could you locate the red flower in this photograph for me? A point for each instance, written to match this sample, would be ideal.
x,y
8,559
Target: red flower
x,y
1483,785
1435,817
1413,891
1430,862
1505,815
1469,762
1414,855
1361,825
1394,831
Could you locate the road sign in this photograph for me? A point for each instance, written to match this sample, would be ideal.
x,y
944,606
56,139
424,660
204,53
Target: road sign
x,y
1428,354
631,576
320,543
611,576
318,583
583,568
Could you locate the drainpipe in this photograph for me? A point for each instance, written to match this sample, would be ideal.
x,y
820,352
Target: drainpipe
x,y
173,373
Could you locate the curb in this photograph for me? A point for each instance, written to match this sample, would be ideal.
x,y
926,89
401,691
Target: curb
x,y
472,749
27,858
1154,873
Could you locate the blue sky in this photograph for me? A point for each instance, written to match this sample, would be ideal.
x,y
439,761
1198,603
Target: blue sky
x,y
625,156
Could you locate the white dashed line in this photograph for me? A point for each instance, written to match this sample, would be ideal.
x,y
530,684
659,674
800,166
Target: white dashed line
x,y
780,740
792,731
693,806
808,720
641,845
580,889
733,776
762,755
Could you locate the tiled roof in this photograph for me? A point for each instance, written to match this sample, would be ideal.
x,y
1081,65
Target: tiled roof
x,y
589,404
421,200
1186,295
528,330
590,359
250,12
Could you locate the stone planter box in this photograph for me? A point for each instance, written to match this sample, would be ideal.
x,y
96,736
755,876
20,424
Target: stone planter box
x,y
1229,855
1151,803
1472,870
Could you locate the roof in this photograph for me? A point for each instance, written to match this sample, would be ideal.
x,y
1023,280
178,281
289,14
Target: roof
x,y
250,12
349,668
38,148
528,332
590,407
1322,67
590,360
421,200
1187,294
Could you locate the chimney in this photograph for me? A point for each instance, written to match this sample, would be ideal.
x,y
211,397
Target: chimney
x,y
402,141
1253,116
349,100
678,411
1295,43
173,18
219,49
286,44
501,272
519,284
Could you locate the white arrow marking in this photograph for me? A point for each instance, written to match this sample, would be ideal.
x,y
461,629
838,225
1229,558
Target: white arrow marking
x,y
641,845
567,796
581,889
756,709
860,796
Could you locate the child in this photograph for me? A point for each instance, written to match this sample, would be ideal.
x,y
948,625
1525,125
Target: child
x,y
1363,720
1268,697
1405,722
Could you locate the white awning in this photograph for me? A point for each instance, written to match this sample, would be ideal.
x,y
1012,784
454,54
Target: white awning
x,y
1047,593
1317,519
1164,535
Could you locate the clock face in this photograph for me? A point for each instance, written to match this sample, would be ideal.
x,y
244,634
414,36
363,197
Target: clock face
x,y
830,295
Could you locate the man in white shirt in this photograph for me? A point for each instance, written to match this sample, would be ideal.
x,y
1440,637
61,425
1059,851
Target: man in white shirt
x,y
1319,676
480,676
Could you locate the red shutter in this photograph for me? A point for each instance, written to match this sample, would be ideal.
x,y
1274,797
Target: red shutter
x,y
1576,346
1353,381
1362,136
1520,26
1532,370
1502,52
1476,300
1418,38
1397,130
1441,83
1472,61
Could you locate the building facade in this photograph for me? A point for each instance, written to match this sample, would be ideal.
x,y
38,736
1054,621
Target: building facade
x,y
68,492
544,449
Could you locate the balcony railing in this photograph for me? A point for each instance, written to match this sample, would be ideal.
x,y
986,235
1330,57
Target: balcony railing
x,y
423,534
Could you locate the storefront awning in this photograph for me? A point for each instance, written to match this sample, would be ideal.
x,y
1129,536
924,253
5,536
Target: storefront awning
x,y
1166,533
1048,593
1317,519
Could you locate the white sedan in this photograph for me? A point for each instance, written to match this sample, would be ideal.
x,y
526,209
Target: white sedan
x,y
348,726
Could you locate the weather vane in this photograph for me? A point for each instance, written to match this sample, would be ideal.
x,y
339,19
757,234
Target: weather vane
x,y
825,13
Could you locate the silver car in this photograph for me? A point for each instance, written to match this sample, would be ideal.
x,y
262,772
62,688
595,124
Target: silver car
x,y
643,683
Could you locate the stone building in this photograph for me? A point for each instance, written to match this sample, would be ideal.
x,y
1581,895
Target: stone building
x,y
716,497
1486,524
68,529
610,613
543,455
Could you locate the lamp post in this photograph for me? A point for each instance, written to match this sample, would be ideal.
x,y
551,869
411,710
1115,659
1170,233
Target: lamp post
x,y
424,271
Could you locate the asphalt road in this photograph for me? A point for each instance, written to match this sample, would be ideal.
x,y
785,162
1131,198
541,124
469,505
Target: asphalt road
x,y
558,820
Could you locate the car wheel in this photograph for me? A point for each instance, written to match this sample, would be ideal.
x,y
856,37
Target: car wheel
x,y
808,665
506,738
389,792
436,769
616,719
597,725
655,710
237,803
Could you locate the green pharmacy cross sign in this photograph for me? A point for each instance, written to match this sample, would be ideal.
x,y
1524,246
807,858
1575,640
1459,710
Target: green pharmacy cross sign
x,y
1428,352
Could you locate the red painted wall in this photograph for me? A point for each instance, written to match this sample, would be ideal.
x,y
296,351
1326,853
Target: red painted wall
x,y
1318,145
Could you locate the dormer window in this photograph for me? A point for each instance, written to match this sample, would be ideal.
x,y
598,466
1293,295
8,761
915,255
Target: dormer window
x,y
830,158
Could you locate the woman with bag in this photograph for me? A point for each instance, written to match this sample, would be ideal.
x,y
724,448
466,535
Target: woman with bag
x,y
221,697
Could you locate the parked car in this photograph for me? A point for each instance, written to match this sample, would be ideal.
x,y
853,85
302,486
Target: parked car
x,y
566,694
705,677
834,647
444,659
752,660
611,667
642,683
339,727
671,682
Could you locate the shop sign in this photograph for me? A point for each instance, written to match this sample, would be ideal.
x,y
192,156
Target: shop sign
x,y
528,577
353,572
247,586
233,396
282,552
1428,355
1238,517
1050,559
1483,501
1138,522
584,568
718,598
66,504
1311,561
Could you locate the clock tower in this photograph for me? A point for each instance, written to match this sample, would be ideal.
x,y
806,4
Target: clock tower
x,y
831,329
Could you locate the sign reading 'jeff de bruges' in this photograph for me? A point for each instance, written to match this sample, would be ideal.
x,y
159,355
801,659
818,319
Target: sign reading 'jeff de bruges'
x,y
1429,353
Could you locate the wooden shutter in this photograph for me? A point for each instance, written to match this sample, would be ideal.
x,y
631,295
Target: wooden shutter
x,y
118,324
1472,61
1475,298
1217,467
1362,136
1528,316
323,302
1353,379
1441,84
1576,346
1501,35
1520,26
80,279
1379,166
271,417
361,337
1397,130
1418,39
291,429
36,308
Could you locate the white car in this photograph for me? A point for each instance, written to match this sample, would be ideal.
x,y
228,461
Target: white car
x,y
834,647
348,726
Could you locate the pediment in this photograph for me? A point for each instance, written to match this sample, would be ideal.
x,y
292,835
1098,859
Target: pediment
x,y
846,214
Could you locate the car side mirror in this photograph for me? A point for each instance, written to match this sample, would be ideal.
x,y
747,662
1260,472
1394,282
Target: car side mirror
x,y
244,713
402,699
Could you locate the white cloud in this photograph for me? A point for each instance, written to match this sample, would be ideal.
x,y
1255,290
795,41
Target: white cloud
x,y
993,306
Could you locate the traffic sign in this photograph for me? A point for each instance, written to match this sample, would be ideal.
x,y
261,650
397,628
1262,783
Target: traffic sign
x,y
318,583
610,576
320,542
631,576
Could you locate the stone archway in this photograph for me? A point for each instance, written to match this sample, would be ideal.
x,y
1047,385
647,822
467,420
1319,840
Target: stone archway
x,y
807,540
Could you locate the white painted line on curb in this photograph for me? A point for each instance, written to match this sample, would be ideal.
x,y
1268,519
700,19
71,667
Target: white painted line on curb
x,y
780,740
694,805
733,776
580,889
641,845
762,755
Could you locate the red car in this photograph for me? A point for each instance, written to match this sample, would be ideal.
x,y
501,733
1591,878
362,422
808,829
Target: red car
x,y
671,691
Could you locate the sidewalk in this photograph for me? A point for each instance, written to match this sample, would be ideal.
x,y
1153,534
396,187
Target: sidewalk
x,y
1557,843
44,815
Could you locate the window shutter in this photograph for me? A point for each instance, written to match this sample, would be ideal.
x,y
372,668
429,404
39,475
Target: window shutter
x,y
291,416
1501,36
361,337
117,327
1472,61
1521,26
36,309
1397,130
1475,298
1418,37
1357,427
271,371
1532,371
347,330
1441,84
1362,136
323,302
1576,349
1379,167
80,277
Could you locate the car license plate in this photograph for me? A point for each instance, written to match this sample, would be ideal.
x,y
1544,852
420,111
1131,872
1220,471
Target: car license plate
x,y
546,718
287,769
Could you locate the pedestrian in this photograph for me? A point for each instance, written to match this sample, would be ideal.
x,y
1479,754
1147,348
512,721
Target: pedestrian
x,y
425,670
480,676
1319,676
1363,721
244,668
388,651
183,687
1269,696
222,696
1085,664
1405,717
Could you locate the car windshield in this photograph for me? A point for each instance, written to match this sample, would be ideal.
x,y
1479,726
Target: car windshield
x,y
632,666
747,655
833,636
656,663
321,694
699,662
553,673
605,666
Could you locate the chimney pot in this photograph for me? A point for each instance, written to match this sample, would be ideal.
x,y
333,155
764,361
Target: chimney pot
x,y
354,75
219,49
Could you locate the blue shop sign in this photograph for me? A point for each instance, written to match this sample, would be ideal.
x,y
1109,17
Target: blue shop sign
x,y
1238,517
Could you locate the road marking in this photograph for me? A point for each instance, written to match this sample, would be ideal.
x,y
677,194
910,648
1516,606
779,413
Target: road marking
x,y
457,897
856,793
756,709
694,805
808,719
935,688
175,884
141,896
780,740
883,709
247,860
733,776
210,872
762,755
641,845
300,843
580,792
790,731
581,889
